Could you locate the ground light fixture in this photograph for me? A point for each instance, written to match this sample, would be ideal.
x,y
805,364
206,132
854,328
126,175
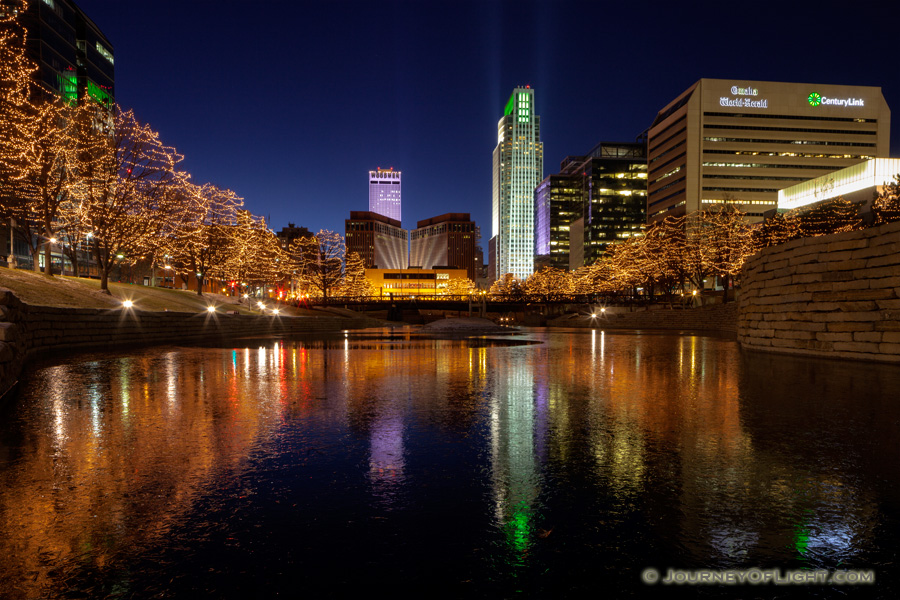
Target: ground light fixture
x,y
210,309
127,304
261,305
275,311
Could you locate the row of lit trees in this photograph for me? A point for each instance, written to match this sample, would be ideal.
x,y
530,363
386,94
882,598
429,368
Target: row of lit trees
x,y
82,176
682,253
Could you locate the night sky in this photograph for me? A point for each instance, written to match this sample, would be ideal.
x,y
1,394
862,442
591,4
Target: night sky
x,y
291,103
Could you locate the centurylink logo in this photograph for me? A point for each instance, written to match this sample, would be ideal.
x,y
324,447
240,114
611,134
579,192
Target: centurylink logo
x,y
815,99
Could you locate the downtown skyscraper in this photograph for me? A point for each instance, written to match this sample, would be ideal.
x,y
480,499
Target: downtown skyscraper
x,y
384,193
518,169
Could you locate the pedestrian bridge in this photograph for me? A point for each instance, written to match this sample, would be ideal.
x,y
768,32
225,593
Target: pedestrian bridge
x,y
479,302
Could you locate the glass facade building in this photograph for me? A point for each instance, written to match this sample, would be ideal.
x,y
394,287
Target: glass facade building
x,y
595,200
384,193
74,58
557,202
518,165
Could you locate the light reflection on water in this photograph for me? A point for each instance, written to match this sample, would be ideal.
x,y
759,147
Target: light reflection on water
x,y
478,467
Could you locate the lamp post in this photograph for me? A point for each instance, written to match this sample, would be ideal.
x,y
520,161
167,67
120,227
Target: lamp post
x,y
11,259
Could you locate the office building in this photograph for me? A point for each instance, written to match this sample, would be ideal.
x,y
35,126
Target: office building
x,y
859,183
74,58
290,234
379,240
557,202
740,142
595,200
518,165
384,192
444,241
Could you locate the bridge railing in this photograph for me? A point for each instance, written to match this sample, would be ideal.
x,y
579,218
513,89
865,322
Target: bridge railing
x,y
603,299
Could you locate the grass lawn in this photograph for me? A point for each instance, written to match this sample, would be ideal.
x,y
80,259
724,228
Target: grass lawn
x,y
38,289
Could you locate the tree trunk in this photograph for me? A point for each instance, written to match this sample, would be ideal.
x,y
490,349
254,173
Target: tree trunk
x,y
104,282
73,258
103,268
724,288
199,284
36,259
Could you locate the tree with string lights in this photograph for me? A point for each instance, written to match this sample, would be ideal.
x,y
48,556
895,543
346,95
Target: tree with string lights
x,y
17,125
550,282
253,255
775,230
320,262
508,287
355,284
728,240
833,216
128,204
199,244
886,204
460,286
41,143
71,232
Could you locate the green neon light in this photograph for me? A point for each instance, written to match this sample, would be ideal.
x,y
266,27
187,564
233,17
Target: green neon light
x,y
814,99
68,86
511,105
98,94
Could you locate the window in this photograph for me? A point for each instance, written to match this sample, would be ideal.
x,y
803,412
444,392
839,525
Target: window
x,y
105,53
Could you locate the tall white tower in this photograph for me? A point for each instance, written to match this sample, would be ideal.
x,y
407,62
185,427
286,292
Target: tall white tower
x,y
384,192
518,169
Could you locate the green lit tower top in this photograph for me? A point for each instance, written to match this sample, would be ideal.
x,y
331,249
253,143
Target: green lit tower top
x,y
518,169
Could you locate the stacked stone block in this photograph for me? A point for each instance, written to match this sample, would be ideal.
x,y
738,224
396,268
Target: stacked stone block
x,y
834,296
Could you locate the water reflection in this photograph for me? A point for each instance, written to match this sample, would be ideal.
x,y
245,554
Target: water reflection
x,y
514,466
514,460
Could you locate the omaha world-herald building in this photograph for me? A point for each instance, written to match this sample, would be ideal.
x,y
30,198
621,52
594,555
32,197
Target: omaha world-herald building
x,y
737,141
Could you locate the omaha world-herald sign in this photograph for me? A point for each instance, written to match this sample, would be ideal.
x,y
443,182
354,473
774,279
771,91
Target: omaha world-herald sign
x,y
745,98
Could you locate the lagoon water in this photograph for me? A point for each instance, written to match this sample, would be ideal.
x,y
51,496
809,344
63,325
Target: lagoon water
x,y
541,464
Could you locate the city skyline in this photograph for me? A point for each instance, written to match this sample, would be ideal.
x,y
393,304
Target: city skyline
x,y
435,110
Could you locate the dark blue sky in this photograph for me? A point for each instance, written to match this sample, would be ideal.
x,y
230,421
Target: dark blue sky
x,y
290,103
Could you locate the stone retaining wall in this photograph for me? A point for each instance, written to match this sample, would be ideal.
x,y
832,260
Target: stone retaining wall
x,y
27,331
835,296
716,317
